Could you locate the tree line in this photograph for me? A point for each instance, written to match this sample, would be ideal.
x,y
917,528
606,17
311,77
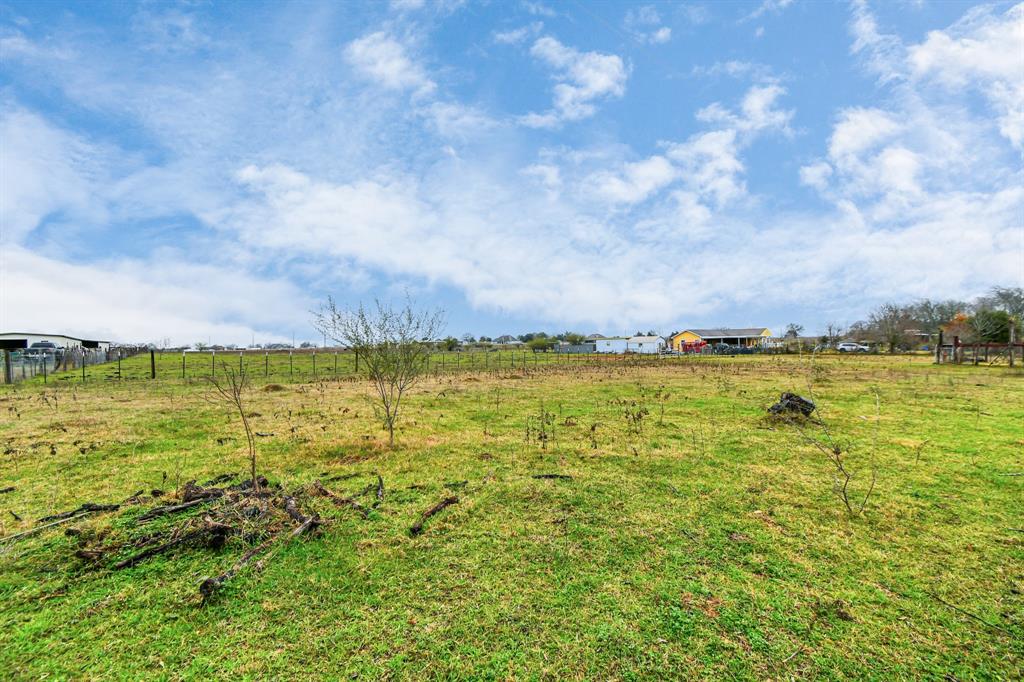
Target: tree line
x,y
985,319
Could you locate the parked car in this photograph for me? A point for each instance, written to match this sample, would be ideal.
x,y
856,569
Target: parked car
x,y
851,347
43,348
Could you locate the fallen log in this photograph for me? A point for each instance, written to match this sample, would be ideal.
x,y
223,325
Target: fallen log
x,y
87,508
417,527
339,500
159,549
172,509
33,531
558,477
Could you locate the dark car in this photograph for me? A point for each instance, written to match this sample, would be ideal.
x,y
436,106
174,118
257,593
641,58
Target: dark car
x,y
42,349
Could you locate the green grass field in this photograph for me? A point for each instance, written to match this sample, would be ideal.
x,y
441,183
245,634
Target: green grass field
x,y
695,539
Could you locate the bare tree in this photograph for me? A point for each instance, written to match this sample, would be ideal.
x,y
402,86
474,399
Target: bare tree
x,y
833,330
231,387
393,345
889,321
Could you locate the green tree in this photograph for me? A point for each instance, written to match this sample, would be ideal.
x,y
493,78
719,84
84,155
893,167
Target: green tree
x,y
991,326
537,344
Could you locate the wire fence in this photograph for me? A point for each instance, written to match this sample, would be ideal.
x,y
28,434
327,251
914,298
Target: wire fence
x,y
301,365
296,365
25,365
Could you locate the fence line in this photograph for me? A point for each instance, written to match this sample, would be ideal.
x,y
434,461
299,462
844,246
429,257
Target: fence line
x,y
23,365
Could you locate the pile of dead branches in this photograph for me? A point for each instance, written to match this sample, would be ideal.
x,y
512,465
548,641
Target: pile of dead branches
x,y
262,517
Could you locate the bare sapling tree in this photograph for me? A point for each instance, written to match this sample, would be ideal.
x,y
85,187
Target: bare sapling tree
x,y
393,344
838,452
230,386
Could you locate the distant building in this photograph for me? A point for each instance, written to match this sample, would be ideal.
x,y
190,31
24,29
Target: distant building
x,y
20,340
611,344
645,344
749,337
506,339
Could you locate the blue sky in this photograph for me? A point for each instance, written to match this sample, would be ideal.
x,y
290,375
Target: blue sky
x,y
194,170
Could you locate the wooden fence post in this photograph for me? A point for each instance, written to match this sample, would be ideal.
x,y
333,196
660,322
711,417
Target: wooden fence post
x,y
1013,337
938,350
152,364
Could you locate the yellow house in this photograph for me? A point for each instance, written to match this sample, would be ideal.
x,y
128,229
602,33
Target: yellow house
x,y
754,336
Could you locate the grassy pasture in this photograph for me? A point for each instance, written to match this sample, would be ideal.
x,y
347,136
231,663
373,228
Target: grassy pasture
x,y
698,540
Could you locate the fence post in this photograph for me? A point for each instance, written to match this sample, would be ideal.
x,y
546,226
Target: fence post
x,y
8,368
240,362
266,364
182,364
938,350
335,363
314,365
357,362
118,364
83,364
1013,335
213,363
291,367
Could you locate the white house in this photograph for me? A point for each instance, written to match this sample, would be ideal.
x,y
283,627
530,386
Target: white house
x,y
610,344
17,340
645,344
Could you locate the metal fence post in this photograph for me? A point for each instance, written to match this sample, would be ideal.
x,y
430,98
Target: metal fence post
x,y
152,364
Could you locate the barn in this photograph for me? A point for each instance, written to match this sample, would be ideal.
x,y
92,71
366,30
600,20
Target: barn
x,y
22,340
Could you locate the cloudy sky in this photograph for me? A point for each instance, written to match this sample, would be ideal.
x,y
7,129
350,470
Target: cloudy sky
x,y
203,170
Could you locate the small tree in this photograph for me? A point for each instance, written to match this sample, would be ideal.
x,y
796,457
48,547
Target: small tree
x,y
833,330
450,343
539,344
793,330
574,338
231,386
390,344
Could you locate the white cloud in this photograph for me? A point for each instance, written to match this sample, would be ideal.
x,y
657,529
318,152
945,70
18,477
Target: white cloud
x,y
816,175
45,170
518,35
169,296
644,23
581,78
984,51
768,7
757,111
636,182
381,58
538,8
